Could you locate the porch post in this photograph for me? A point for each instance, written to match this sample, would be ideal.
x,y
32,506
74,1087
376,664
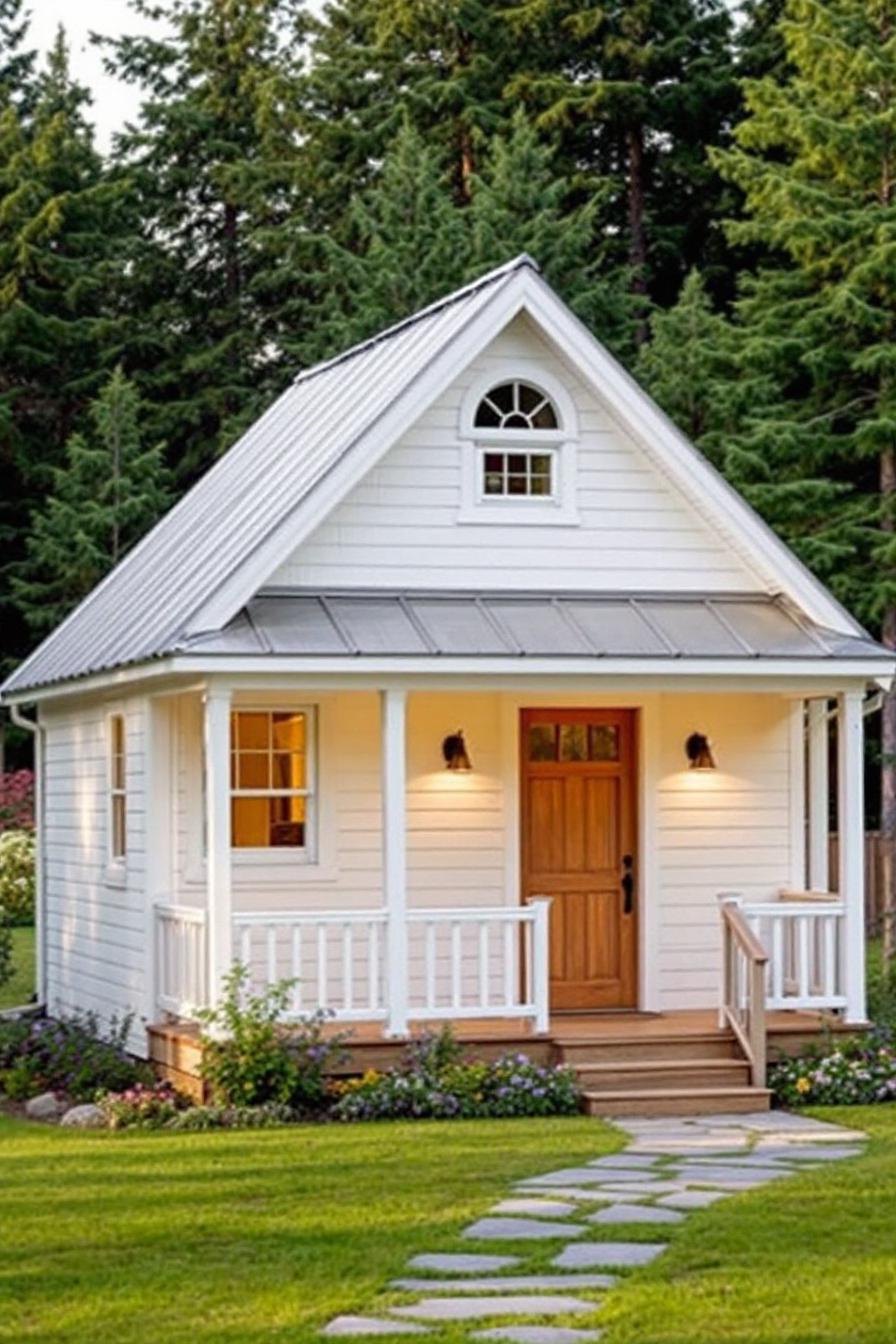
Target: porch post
x,y
819,876
851,831
393,706
216,726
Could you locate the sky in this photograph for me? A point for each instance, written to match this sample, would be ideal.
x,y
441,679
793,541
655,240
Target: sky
x,y
114,102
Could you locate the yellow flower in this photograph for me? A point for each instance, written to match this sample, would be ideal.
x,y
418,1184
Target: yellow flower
x,y
803,1085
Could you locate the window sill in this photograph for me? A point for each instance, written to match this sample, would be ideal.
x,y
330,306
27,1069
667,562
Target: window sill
x,y
276,865
115,875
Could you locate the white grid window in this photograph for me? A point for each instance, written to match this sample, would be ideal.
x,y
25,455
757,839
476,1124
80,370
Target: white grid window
x,y
515,405
271,779
517,475
118,840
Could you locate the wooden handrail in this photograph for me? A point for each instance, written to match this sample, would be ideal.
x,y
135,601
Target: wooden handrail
x,y
744,962
808,897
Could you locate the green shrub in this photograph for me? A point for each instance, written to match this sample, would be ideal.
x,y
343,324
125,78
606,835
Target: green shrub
x,y
856,1072
6,966
881,987
17,875
435,1082
69,1054
248,1059
200,1118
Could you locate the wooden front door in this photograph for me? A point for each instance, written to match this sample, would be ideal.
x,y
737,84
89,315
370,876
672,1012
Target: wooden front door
x,y
578,838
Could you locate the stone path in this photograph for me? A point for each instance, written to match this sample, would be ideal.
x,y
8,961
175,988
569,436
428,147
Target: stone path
x,y
669,1168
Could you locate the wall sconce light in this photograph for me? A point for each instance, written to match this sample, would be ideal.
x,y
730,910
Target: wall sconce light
x,y
454,749
699,752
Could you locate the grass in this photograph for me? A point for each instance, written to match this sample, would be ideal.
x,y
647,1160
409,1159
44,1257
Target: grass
x,y
803,1261
20,987
243,1238
247,1237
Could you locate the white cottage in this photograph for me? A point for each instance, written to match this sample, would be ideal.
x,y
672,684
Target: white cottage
x,y
463,688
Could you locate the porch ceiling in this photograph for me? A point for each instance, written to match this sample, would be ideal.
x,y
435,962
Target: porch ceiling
x,y
535,625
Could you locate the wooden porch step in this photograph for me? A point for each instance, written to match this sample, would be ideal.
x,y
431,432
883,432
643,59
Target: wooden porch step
x,y
623,1075
611,1047
678,1101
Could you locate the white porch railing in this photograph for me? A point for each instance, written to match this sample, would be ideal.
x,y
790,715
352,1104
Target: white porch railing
x,y
480,963
804,936
337,960
461,964
181,962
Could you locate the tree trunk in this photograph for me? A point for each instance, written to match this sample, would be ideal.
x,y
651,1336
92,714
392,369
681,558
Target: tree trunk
x,y
888,731
637,228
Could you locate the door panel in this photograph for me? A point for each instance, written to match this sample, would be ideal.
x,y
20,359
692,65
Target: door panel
x,y
578,826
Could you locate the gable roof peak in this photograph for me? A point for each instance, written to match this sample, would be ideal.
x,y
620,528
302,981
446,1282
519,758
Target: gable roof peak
x,y
519,263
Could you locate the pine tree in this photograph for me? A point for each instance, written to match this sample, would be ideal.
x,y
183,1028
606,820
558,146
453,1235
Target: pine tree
x,y
110,491
521,203
16,64
376,63
637,88
816,160
63,225
407,245
218,276
687,361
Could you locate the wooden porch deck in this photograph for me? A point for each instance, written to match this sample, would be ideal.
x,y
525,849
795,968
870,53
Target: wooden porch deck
x,y
647,1053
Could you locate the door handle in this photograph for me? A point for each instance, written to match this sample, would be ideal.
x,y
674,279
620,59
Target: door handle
x,y
628,885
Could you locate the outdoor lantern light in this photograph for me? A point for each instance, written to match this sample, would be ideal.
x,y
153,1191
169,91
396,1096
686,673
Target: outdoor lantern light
x,y
454,749
699,752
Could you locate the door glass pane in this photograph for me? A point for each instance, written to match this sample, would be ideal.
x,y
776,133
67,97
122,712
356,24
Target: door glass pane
x,y
573,742
542,742
603,742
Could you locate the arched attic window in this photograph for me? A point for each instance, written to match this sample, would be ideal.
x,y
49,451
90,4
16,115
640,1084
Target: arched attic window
x,y
526,469
519,436
515,405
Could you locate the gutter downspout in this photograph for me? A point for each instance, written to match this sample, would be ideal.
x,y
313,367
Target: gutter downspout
x,y
37,731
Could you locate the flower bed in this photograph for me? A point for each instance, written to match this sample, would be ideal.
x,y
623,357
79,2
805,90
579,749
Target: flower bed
x,y
435,1082
854,1073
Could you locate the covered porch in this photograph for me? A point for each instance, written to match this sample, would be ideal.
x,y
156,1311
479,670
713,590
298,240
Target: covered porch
x,y
416,908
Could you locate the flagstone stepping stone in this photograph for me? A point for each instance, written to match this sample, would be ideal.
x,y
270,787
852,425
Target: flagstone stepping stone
x,y
594,1193
730,1180
519,1229
635,1213
370,1325
803,1152
612,1254
580,1176
472,1308
550,1208
537,1334
643,1191
694,1199
515,1284
624,1160
462,1263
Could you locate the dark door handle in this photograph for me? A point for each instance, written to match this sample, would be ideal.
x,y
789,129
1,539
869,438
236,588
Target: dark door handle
x,y
628,888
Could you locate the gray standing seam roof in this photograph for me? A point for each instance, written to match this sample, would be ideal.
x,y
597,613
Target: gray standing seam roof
x,y
143,607
369,623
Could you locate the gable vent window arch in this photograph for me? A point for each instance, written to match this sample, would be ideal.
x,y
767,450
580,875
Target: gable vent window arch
x,y
518,441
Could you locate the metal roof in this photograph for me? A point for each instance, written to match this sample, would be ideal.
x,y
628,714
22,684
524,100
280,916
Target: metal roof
x,y
478,625
141,608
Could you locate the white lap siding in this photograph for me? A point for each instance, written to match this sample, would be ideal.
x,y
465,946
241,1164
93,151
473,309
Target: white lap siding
x,y
96,955
399,527
727,829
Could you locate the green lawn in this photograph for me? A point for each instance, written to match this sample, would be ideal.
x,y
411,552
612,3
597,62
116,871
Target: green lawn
x,y
19,989
248,1237
242,1238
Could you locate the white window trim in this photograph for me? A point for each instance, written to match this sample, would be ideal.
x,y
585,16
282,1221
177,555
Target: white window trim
x,y
285,856
116,869
558,509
